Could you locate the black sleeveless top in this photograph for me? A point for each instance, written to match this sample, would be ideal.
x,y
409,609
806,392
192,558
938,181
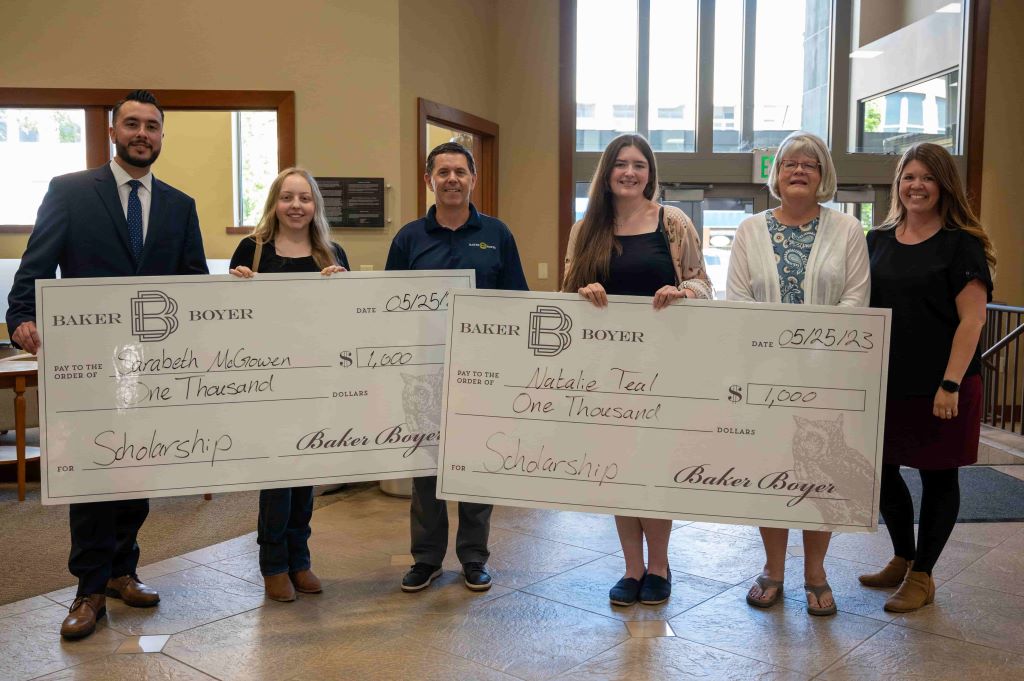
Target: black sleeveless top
x,y
644,266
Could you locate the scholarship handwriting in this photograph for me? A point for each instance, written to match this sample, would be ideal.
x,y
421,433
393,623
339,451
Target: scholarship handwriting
x,y
507,456
118,448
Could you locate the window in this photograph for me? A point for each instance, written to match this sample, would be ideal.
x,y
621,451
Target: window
x,y
584,110
728,73
671,111
672,75
606,70
791,68
627,111
905,78
255,157
48,142
917,113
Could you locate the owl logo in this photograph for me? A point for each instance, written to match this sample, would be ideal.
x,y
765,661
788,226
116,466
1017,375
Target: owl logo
x,y
820,453
421,401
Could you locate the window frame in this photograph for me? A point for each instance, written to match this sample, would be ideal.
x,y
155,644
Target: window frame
x,y
98,103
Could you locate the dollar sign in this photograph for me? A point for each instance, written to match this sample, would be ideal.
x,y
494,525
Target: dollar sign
x,y
735,393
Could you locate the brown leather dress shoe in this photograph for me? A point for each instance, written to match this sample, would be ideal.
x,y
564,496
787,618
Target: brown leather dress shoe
x,y
279,588
82,616
891,575
306,582
132,592
916,591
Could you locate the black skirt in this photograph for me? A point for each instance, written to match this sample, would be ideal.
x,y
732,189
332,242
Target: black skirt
x,y
916,438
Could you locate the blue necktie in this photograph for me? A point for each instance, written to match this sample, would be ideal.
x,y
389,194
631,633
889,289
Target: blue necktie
x,y
135,220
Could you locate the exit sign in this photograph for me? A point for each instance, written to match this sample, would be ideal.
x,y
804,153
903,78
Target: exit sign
x,y
763,160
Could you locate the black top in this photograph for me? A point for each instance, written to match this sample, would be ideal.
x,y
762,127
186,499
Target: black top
x,y
920,283
484,244
272,263
643,267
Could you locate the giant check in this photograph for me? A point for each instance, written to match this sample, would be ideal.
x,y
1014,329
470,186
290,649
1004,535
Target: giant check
x,y
725,412
180,385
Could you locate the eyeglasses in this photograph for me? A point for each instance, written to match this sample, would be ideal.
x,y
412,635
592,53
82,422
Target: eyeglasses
x,y
805,166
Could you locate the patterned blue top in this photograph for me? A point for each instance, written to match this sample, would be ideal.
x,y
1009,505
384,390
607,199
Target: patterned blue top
x,y
792,246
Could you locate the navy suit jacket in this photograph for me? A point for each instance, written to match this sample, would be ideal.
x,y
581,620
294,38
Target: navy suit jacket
x,y
82,228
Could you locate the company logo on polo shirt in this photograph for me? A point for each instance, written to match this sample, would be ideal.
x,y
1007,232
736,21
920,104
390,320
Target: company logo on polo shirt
x,y
549,331
154,316
483,246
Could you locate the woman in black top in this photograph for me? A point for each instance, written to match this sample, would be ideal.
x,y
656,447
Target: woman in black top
x,y
628,244
931,262
292,236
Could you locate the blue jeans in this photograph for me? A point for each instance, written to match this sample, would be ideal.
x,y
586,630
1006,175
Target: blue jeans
x,y
283,529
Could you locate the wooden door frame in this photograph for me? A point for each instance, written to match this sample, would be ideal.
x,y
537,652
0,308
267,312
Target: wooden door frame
x,y
486,192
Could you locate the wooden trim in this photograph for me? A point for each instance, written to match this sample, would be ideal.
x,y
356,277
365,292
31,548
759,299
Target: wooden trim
x,y
15,229
981,12
97,136
432,112
566,127
239,230
195,100
286,131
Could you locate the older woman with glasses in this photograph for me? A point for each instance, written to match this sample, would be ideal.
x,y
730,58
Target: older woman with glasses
x,y
800,252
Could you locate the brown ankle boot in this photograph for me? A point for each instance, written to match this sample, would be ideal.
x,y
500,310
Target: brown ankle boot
x,y
306,582
916,591
279,587
891,575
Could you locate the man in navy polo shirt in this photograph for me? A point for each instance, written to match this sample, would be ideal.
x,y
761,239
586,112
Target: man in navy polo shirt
x,y
453,235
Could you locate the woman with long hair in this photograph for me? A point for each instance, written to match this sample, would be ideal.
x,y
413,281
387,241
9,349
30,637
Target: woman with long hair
x,y
933,265
292,236
800,252
628,244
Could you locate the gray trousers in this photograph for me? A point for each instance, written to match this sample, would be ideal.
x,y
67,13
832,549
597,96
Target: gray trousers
x,y
428,517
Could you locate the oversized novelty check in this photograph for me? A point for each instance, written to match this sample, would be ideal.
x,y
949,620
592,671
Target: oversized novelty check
x,y
722,412
181,385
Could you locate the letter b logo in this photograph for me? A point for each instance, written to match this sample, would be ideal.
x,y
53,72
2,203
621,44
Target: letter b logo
x,y
549,331
153,316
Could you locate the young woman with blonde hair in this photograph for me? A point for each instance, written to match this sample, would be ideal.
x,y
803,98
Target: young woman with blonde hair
x,y
292,236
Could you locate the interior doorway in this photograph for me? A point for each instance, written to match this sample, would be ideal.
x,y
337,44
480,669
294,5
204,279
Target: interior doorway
x,y
439,124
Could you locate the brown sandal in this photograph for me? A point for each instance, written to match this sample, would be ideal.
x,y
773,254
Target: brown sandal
x,y
766,582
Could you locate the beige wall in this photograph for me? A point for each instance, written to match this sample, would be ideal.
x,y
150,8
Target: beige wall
x,y
1004,147
196,158
339,56
527,106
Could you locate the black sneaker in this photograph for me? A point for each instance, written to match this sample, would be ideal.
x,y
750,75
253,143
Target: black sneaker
x,y
477,577
420,576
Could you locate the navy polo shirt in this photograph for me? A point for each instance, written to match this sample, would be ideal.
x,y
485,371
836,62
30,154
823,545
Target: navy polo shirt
x,y
484,244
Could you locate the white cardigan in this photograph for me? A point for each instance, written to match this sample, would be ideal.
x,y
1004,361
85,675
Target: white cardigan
x,y
837,269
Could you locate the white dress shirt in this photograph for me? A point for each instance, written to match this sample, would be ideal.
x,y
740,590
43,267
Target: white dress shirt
x,y
121,177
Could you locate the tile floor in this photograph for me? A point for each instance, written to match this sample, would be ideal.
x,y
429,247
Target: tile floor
x,y
547,616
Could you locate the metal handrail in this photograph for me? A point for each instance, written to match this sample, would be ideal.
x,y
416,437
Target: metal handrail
x,y
1002,364
1007,339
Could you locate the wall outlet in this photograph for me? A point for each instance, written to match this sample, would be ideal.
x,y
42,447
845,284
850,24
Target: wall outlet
x,y
542,270
366,268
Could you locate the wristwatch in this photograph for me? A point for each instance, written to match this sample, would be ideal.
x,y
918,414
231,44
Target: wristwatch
x,y
949,386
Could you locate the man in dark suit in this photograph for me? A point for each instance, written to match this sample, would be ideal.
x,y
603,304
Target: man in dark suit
x,y
115,220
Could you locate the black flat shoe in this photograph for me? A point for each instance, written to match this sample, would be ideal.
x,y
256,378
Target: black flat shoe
x,y
626,590
656,589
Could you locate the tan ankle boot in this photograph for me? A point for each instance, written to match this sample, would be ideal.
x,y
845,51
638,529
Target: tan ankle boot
x,y
279,587
916,591
891,575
